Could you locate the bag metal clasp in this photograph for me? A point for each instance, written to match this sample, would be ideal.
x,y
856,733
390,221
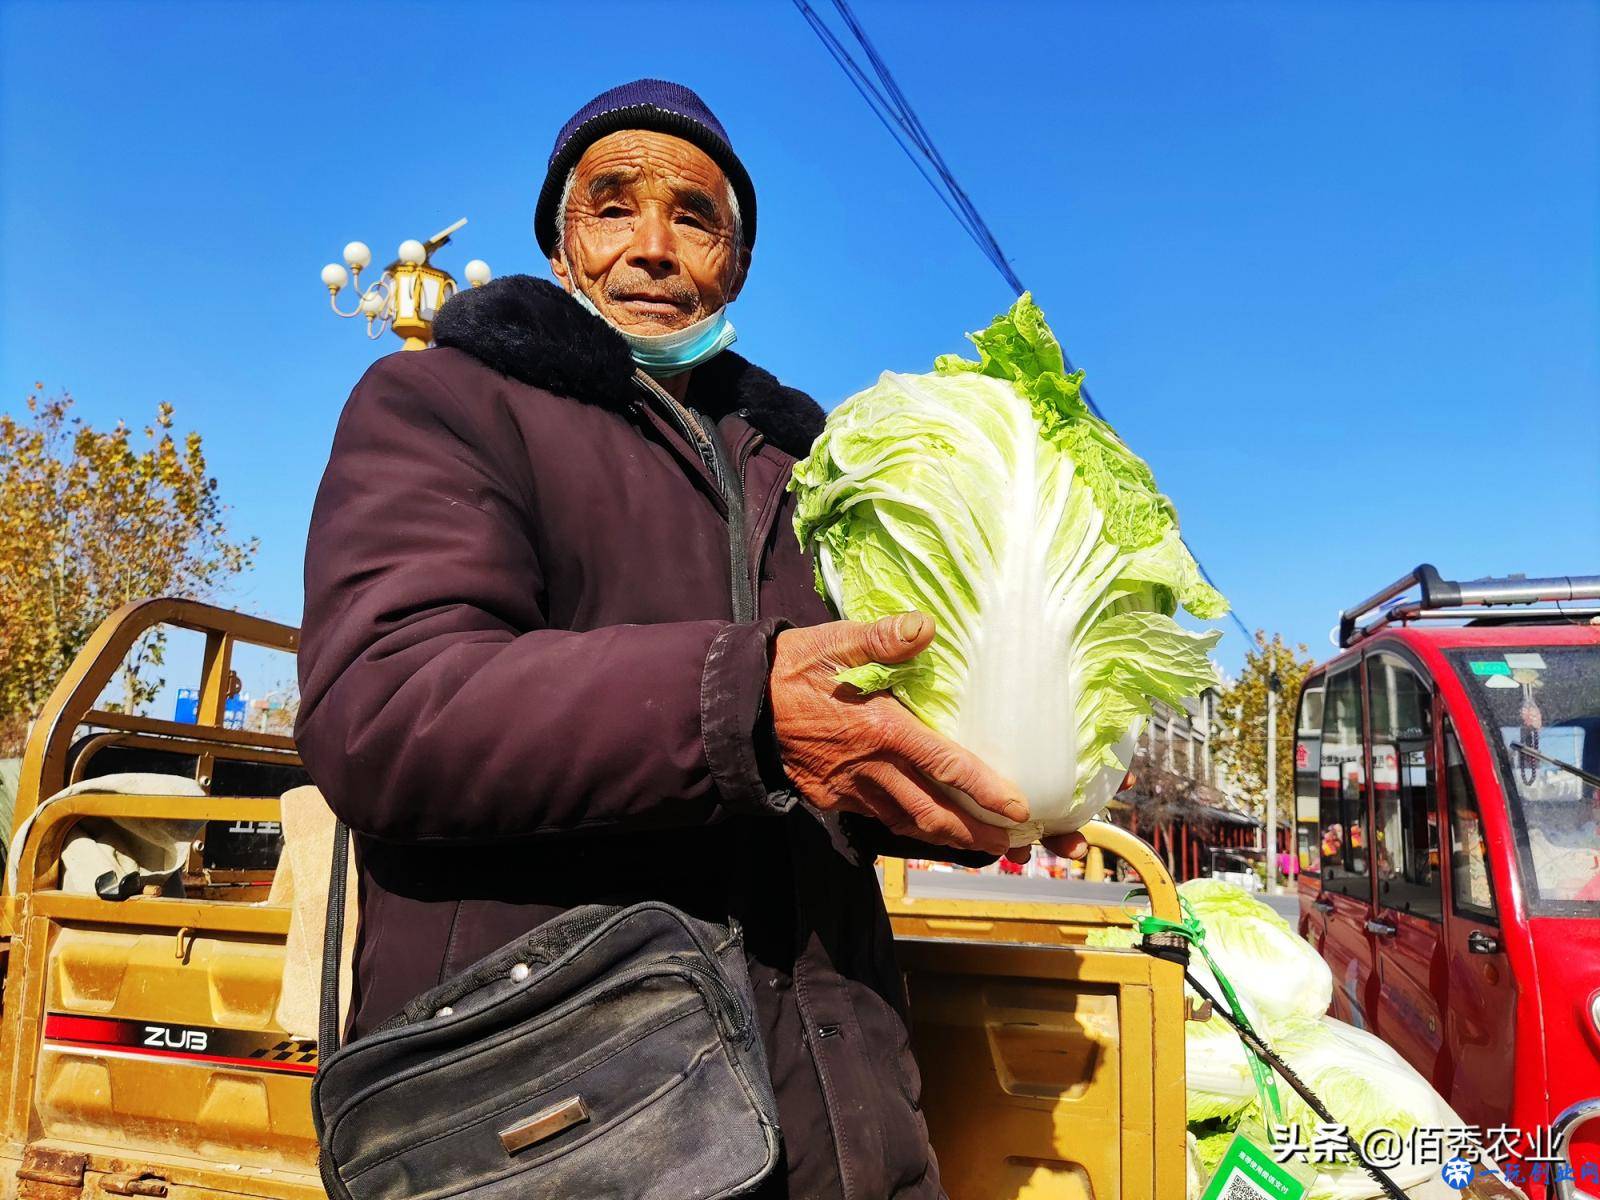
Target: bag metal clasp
x,y
544,1124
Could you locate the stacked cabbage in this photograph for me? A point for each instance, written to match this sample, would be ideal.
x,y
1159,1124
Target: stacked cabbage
x,y
1285,987
987,495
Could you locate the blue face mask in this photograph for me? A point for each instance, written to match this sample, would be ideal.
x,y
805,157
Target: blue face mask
x,y
663,355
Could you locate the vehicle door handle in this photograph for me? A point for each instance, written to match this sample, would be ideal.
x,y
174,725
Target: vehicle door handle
x,y
1381,928
1479,942
1321,905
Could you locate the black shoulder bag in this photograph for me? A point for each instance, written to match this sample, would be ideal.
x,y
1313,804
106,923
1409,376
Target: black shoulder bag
x,y
610,1052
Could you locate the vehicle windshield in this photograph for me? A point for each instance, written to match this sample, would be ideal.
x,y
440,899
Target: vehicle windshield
x,y
1540,710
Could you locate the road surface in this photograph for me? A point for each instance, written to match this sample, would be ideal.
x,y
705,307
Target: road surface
x,y
959,884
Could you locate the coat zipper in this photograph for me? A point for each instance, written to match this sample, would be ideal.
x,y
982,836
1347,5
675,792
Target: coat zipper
x,y
750,447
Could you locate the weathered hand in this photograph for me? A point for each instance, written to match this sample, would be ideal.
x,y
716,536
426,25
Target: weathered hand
x,y
1063,845
870,754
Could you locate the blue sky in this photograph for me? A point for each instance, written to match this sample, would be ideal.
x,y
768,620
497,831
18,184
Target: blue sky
x,y
1333,269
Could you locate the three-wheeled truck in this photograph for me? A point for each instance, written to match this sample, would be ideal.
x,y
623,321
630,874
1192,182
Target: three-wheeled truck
x,y
1447,767
141,1052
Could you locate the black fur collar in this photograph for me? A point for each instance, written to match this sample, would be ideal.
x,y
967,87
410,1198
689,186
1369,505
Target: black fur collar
x,y
531,330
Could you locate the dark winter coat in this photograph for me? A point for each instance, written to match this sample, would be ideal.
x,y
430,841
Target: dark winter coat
x,y
523,688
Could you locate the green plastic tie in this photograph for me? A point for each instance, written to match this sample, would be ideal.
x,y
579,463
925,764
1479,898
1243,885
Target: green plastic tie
x,y
1194,933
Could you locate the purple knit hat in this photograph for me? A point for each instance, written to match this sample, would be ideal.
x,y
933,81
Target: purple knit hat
x,y
653,104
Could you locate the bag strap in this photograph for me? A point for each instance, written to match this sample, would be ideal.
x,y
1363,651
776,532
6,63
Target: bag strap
x,y
743,593
333,944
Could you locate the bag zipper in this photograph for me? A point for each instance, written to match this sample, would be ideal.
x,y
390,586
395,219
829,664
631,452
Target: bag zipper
x,y
729,1000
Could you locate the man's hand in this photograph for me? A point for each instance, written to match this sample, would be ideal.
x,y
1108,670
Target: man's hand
x,y
870,754
1062,845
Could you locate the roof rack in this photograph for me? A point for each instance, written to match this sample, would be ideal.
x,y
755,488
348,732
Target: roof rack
x,y
1443,599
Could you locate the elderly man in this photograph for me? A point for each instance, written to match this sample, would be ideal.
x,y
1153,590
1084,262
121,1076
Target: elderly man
x,y
561,646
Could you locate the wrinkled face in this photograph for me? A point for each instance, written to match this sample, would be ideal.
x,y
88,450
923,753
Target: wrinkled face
x,y
648,233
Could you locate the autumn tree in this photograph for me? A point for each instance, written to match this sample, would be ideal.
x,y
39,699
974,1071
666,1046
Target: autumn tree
x,y
1241,744
276,711
89,521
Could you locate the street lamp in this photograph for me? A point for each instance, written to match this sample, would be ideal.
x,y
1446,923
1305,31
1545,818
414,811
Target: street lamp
x,y
407,294
1274,686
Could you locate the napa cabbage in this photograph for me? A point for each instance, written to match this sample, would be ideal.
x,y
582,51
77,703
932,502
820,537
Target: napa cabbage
x,y
987,495
1284,988
1275,970
1276,974
1368,1087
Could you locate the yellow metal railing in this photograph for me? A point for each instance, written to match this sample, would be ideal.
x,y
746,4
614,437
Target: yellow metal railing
x,y
1052,1069
46,765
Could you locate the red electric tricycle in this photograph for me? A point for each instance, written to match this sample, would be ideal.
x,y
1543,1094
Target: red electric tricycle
x,y
1447,768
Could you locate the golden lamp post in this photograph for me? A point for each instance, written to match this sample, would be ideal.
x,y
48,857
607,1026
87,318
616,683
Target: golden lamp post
x,y
408,293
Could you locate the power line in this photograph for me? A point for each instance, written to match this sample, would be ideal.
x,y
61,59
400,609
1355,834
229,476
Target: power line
x,y
889,104
979,228
899,119
877,103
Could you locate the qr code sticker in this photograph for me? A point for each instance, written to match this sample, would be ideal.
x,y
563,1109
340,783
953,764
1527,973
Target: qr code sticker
x,y
1240,1186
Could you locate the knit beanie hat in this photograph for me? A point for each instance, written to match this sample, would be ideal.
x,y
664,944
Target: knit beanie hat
x,y
653,104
